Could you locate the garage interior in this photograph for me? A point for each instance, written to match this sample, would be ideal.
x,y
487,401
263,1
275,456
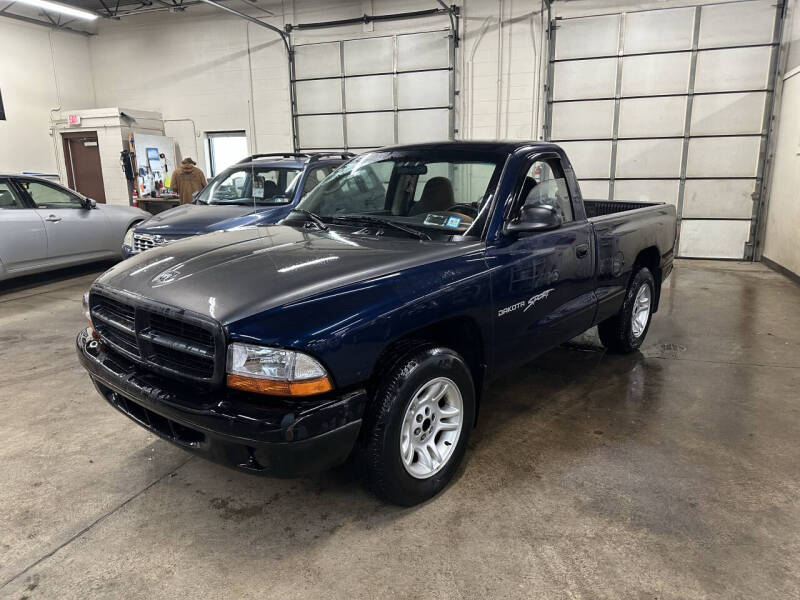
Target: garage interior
x,y
671,472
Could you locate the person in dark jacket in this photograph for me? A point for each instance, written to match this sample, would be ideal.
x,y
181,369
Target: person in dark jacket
x,y
187,179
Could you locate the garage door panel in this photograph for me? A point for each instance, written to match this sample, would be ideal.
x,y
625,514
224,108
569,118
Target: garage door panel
x,y
587,36
647,190
594,190
375,92
659,30
649,158
319,95
590,159
737,24
573,120
418,90
655,74
719,199
585,79
317,60
370,130
423,50
320,131
423,126
713,239
642,117
728,113
369,55
732,70
723,157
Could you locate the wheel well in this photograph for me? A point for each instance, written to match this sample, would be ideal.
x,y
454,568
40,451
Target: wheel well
x,y
650,258
461,334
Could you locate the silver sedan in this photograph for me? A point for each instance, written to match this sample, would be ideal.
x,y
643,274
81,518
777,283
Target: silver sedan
x,y
45,226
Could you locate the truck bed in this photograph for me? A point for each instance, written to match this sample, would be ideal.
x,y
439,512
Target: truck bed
x,y
601,208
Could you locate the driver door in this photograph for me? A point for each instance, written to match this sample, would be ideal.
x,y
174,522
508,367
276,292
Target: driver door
x,y
542,282
73,230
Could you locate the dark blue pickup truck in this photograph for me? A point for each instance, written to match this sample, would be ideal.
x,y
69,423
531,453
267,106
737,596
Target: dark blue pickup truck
x,y
258,190
369,322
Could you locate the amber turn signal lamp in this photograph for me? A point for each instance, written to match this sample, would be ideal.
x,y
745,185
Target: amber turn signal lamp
x,y
273,387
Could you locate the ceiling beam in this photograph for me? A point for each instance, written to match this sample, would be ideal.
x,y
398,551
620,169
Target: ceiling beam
x,y
6,15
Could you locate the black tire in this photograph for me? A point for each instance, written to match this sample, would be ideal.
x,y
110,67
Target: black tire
x,y
616,333
386,474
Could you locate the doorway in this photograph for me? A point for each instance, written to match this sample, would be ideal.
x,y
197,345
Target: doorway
x,y
82,159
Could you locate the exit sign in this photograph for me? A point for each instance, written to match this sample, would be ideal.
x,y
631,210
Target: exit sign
x,y
74,119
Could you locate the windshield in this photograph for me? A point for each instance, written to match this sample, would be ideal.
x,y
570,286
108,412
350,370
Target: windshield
x,y
432,191
259,186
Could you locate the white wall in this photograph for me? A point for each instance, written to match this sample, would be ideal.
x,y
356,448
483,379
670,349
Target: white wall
x,y
782,239
205,69
34,80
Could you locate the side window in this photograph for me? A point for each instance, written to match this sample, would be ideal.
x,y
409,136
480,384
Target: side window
x,y
49,196
315,177
545,184
8,197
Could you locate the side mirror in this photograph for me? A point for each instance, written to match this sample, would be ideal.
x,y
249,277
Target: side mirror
x,y
90,203
537,217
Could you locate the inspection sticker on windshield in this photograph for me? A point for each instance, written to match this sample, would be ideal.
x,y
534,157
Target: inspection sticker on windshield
x,y
453,222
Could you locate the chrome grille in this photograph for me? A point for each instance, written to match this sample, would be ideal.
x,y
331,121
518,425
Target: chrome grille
x,y
187,346
147,241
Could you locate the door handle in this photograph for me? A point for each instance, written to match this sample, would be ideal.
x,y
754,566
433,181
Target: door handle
x,y
582,250
53,219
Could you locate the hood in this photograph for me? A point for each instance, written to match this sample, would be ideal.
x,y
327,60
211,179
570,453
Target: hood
x,y
193,219
229,275
187,168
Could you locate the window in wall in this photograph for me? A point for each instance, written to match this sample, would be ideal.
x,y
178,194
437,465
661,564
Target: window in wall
x,y
224,148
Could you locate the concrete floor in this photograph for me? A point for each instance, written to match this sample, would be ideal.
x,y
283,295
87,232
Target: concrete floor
x,y
672,473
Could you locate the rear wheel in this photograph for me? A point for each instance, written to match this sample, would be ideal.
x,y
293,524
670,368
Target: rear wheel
x,y
418,426
625,331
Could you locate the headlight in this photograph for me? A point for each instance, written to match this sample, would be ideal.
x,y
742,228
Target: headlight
x,y
128,239
85,305
88,314
275,371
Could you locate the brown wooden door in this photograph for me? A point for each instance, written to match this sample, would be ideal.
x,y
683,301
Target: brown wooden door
x,y
82,157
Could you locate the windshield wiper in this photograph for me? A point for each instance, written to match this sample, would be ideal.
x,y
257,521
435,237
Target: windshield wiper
x,y
312,217
378,221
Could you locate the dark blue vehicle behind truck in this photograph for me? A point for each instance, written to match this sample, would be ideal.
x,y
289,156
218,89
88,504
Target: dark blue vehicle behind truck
x,y
370,320
259,189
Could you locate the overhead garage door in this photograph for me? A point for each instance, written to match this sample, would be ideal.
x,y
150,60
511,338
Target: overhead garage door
x,y
670,105
370,92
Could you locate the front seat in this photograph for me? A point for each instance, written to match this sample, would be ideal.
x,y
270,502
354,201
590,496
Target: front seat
x,y
436,195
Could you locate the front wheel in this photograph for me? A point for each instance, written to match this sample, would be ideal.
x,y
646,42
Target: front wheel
x,y
418,426
625,331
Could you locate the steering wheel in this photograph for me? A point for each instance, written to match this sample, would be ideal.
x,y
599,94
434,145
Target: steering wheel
x,y
467,209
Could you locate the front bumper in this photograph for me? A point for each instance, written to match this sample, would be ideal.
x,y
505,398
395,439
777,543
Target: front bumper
x,y
257,434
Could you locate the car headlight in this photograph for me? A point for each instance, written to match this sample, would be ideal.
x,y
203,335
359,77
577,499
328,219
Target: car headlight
x,y
85,305
88,314
128,239
275,371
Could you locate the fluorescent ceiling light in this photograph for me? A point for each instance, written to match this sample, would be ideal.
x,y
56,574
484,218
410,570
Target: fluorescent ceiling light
x,y
60,8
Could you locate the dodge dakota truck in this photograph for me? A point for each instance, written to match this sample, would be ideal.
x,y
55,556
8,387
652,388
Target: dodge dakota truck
x,y
368,323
